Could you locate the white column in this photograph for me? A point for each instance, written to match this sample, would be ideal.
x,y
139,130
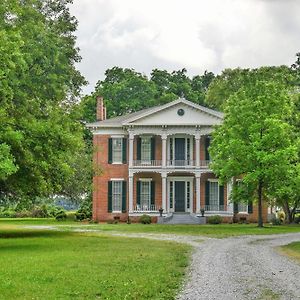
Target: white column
x,y
130,193
198,197
229,203
164,191
164,150
197,140
131,139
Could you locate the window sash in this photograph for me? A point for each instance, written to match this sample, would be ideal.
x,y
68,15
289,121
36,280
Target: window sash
x,y
214,195
146,148
242,207
117,196
145,194
117,144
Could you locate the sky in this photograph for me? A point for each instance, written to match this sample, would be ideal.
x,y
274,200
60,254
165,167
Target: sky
x,y
197,35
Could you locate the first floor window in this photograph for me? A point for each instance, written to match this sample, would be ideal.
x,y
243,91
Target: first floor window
x,y
117,150
117,196
242,207
213,195
145,199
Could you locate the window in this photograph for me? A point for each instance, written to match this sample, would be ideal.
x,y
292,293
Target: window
x,y
117,150
146,149
242,207
213,195
145,194
117,196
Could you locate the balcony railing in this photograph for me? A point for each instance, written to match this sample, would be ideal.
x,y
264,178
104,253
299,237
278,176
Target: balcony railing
x,y
145,208
147,163
171,163
214,208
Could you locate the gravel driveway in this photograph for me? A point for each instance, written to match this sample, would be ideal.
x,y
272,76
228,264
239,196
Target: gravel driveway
x,y
245,267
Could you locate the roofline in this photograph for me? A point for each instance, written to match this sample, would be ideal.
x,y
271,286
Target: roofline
x,y
172,103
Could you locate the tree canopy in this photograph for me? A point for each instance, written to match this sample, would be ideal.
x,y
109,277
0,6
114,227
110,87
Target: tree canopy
x,y
255,138
39,87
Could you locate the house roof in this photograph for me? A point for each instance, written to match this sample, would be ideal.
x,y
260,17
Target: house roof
x,y
128,119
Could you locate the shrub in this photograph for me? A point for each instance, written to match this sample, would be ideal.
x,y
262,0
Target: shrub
x,y
71,215
61,216
8,213
23,214
297,219
276,221
214,219
280,215
145,219
39,212
85,211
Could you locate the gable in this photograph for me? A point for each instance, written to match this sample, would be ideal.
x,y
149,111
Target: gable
x,y
170,116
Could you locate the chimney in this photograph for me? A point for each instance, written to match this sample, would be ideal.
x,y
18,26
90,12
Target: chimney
x,y
100,109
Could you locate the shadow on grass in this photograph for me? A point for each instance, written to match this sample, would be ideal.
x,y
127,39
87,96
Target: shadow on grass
x,y
6,234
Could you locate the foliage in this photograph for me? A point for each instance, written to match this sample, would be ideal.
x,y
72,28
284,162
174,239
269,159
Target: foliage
x,y
145,219
255,137
61,215
85,210
53,263
276,221
126,91
38,89
214,219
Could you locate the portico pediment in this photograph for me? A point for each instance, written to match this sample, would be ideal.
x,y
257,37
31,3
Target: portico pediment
x,y
179,112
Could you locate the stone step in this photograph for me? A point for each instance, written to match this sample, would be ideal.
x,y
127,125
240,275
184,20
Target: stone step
x,y
181,218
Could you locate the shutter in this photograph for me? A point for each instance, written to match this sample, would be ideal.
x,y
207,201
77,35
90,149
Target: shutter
x,y
152,192
207,193
235,207
138,148
221,196
138,192
153,148
124,196
109,194
124,151
110,150
250,207
207,143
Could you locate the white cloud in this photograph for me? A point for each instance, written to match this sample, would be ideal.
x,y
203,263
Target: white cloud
x,y
195,34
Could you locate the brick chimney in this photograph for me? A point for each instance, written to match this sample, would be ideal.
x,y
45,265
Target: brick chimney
x,y
100,109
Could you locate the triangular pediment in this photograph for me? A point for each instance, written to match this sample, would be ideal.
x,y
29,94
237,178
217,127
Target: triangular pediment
x,y
178,112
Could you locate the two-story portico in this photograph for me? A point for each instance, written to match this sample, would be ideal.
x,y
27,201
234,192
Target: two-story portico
x,y
157,158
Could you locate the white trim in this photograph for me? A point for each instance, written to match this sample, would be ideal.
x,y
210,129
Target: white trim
x,y
117,163
213,180
117,136
117,179
145,179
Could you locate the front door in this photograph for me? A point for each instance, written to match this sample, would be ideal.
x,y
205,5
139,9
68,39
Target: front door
x,y
179,196
179,151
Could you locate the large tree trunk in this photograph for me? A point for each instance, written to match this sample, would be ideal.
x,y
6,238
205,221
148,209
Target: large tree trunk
x,y
260,218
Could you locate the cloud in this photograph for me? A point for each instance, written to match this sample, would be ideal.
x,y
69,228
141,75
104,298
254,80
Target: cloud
x,y
196,34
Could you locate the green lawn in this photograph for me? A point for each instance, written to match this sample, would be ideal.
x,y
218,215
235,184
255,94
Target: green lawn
x,y
220,231
45,264
292,250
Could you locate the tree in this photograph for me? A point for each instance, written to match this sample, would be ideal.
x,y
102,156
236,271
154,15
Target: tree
x,y
38,89
231,80
254,139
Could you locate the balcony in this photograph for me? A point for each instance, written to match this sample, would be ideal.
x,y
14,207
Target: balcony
x,y
170,163
145,208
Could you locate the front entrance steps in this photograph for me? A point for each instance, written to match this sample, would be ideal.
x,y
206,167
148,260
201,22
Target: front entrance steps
x,y
181,218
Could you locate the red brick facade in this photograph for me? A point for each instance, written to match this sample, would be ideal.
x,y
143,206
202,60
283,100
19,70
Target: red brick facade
x,y
121,171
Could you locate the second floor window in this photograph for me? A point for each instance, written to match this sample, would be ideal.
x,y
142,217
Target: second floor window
x,y
117,150
146,149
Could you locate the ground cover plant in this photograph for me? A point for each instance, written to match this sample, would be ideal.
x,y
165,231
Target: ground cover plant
x,y
212,230
292,250
49,264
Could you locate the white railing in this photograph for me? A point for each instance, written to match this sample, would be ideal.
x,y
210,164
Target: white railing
x,y
147,163
214,208
171,163
145,208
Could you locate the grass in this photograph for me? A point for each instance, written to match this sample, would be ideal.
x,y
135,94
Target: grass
x,y
219,231
292,250
49,264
